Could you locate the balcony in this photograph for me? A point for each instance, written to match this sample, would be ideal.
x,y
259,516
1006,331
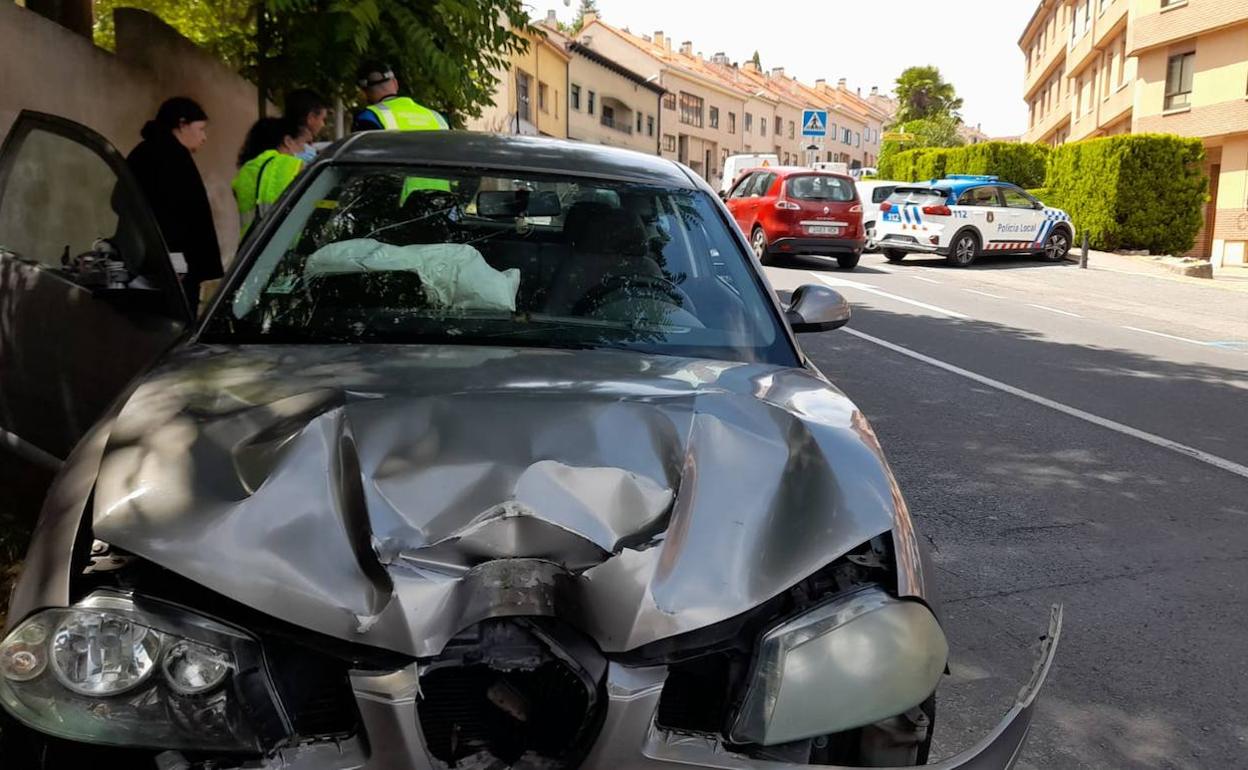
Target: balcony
x,y
1181,21
1055,119
1110,23
1079,51
1039,74
624,127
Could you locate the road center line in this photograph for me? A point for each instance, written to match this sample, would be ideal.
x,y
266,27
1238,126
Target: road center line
x,y
984,293
842,282
1055,310
929,280
1167,336
1126,430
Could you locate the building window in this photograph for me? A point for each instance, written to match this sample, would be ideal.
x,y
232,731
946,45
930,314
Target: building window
x,y
669,101
639,124
556,102
847,136
1179,80
749,123
714,117
762,125
524,84
1168,3
574,96
691,109
649,125
732,122
543,99
857,139
590,98
669,143
792,129
779,127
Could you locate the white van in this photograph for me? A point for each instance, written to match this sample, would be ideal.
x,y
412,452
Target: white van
x,y
735,164
873,192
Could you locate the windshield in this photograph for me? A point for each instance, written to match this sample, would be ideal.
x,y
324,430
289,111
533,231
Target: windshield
x,y
821,187
396,254
919,196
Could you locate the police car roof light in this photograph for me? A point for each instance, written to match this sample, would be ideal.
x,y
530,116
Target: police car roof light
x,y
973,177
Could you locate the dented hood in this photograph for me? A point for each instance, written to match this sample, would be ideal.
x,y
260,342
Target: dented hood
x,y
392,496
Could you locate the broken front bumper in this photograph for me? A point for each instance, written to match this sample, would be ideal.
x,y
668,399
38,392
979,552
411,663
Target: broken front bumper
x,y
629,738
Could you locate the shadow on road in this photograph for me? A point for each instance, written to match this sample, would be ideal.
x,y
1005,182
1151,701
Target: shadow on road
x,y
986,262
1023,506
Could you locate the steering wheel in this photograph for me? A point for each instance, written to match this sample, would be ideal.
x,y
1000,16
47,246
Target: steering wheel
x,y
652,286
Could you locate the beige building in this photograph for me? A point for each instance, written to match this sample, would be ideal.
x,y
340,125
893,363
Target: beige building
x,y
701,116
532,92
1105,67
607,102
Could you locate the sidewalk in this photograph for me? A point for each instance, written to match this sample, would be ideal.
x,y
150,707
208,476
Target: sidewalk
x,y
1234,278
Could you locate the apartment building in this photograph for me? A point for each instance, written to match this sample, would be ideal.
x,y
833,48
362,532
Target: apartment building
x,y
607,102
532,92
702,116
1106,67
786,119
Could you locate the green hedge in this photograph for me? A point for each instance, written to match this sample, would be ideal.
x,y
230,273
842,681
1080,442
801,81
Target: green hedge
x,y
1022,164
1143,191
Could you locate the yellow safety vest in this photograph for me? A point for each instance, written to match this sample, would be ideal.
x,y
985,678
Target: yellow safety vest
x,y
260,182
401,113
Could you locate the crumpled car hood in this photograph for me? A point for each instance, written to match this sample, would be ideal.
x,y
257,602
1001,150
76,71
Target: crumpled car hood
x,y
392,496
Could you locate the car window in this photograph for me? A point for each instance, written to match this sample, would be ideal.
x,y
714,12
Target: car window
x,y
820,187
762,184
917,196
880,194
980,196
1017,199
403,255
743,186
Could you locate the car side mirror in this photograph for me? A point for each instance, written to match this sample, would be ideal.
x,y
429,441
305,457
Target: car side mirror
x,y
817,308
723,195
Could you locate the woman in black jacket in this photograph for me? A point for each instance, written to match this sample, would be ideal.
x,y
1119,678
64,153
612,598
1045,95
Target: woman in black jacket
x,y
170,181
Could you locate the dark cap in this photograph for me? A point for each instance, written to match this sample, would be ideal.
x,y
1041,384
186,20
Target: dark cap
x,y
373,73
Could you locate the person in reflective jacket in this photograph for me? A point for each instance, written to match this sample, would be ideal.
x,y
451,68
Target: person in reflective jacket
x,y
268,163
387,110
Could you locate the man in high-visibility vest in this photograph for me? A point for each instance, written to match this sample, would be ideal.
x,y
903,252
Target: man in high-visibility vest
x,y
387,110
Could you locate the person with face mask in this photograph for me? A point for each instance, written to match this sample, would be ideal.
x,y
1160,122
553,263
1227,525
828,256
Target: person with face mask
x,y
311,110
165,170
268,162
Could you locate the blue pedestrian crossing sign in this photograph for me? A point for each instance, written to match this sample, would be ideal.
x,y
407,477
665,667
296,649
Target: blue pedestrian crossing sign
x,y
814,123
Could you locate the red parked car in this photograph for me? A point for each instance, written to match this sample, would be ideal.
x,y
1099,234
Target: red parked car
x,y
794,210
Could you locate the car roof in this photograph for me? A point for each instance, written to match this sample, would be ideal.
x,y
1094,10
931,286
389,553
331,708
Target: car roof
x,y
955,185
791,170
534,154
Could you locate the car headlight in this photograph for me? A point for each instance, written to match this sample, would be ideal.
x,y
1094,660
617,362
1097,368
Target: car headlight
x,y
117,670
854,661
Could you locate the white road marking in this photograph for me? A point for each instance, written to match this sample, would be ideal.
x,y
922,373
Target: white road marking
x,y
929,280
1167,336
984,293
1055,310
1126,430
842,282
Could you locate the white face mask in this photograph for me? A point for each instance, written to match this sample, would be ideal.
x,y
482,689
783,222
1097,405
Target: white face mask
x,y
307,154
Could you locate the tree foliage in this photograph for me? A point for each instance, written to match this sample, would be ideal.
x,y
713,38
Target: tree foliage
x,y
1022,164
758,62
444,52
928,133
922,93
586,6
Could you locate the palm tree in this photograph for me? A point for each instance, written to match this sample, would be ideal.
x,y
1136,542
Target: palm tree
x,y
923,93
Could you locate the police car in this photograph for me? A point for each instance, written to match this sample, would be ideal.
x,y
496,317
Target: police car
x,y
962,217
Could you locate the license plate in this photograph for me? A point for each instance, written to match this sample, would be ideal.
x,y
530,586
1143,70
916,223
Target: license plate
x,y
823,230
892,216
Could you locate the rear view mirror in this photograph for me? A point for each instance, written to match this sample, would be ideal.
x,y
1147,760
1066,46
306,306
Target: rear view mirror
x,y
817,308
518,203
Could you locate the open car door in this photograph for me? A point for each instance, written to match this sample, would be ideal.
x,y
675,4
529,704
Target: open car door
x,y
88,295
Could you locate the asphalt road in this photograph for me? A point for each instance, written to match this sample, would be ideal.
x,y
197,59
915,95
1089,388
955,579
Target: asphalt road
x,y
1110,474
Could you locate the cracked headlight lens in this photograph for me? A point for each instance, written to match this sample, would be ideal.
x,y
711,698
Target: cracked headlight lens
x,y
118,670
852,661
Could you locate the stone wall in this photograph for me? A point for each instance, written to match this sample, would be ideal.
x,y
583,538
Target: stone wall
x,y
47,68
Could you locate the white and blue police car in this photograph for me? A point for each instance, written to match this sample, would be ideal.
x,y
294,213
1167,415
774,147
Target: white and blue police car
x,y
963,216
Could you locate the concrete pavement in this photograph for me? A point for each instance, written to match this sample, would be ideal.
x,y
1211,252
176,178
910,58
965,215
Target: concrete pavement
x,y
1023,440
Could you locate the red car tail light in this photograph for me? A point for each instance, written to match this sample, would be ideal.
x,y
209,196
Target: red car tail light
x,y
787,205
937,211
886,206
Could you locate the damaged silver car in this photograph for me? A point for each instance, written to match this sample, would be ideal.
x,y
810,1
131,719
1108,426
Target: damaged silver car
x,y
490,452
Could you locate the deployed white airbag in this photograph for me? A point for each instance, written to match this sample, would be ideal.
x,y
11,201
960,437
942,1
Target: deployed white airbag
x,y
453,275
